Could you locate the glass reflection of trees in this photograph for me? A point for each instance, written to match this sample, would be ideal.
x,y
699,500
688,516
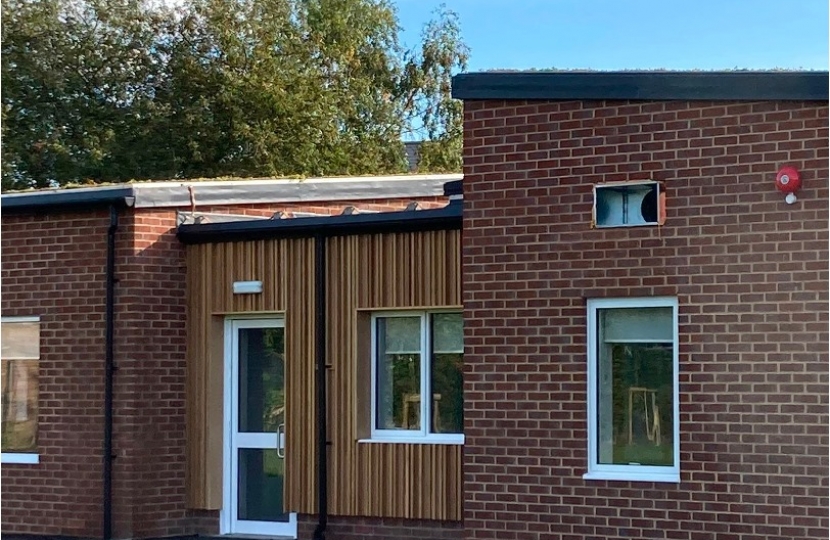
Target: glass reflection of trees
x,y
642,366
448,371
273,378
399,373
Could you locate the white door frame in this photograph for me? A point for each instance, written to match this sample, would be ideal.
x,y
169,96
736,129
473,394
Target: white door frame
x,y
228,524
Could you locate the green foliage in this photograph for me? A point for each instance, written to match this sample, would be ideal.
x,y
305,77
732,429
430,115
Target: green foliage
x,y
78,80
108,91
448,382
428,75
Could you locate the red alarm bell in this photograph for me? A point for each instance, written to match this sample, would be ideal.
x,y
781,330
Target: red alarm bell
x,y
788,181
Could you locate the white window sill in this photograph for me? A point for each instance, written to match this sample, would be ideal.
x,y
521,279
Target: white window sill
x,y
634,476
8,457
458,441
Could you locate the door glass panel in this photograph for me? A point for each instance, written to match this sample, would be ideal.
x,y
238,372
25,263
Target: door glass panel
x,y
261,478
261,379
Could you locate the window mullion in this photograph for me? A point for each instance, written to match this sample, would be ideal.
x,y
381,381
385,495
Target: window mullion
x,y
426,396
373,373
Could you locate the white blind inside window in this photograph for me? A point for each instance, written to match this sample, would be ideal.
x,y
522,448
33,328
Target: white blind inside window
x,y
447,333
400,335
643,325
20,340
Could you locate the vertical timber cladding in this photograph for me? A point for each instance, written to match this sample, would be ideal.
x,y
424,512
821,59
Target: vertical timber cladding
x,y
364,273
286,269
374,272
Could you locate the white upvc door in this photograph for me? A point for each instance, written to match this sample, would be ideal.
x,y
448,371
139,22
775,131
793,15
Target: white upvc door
x,y
254,469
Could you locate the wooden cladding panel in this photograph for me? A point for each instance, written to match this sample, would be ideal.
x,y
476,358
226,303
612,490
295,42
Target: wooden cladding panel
x,y
420,481
200,492
300,348
286,269
409,269
375,272
342,279
364,273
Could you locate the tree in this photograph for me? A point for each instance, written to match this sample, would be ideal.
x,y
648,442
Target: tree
x,y
77,82
428,76
108,91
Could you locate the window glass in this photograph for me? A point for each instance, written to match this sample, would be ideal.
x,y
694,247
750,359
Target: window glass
x,y
398,372
446,373
19,376
261,379
636,386
20,340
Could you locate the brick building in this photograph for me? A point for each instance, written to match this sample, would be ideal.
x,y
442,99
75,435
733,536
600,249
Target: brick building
x,y
644,346
54,306
721,311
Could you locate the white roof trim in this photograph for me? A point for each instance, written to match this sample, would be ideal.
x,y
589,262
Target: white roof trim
x,y
232,192
177,193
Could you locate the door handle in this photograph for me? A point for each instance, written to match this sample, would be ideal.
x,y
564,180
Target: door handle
x,y
281,447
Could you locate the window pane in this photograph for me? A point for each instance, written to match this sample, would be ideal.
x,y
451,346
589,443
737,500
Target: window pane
x,y
637,324
401,335
446,373
261,485
20,340
447,333
636,383
19,408
261,379
398,399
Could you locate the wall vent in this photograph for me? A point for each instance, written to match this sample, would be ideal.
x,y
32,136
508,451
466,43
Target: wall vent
x,y
629,204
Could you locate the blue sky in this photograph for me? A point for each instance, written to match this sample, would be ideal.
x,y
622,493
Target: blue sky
x,y
634,34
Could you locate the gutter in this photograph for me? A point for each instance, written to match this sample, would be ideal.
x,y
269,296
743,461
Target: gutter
x,y
109,372
79,199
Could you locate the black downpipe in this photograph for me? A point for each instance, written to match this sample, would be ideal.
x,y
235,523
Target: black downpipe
x,y
110,369
320,339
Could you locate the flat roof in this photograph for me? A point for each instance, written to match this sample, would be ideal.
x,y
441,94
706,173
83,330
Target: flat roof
x,y
643,85
183,193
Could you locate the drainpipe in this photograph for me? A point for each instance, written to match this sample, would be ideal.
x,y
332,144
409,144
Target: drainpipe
x,y
109,369
320,339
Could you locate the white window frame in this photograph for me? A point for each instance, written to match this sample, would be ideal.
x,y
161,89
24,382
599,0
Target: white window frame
x,y
643,473
422,436
24,458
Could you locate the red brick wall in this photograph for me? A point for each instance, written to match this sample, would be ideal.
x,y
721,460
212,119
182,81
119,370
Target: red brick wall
x,y
751,275
150,344
53,266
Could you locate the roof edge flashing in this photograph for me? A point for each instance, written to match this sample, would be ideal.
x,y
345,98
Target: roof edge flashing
x,y
644,85
81,199
233,192
448,217
183,194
